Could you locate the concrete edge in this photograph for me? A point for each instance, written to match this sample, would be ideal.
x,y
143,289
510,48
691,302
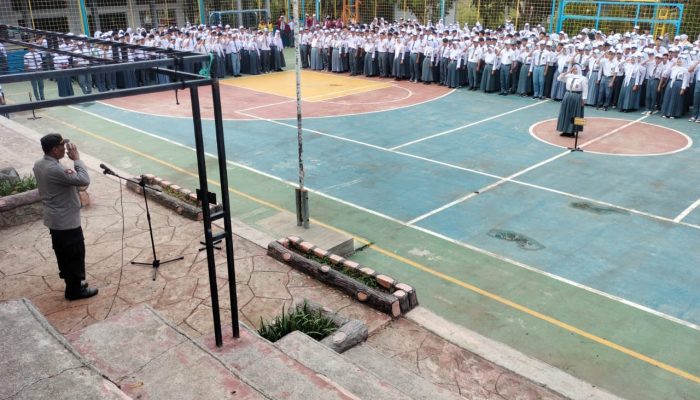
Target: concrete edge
x,y
530,368
233,371
39,317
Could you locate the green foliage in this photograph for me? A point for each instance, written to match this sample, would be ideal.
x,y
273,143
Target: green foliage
x,y
25,184
179,195
303,319
368,281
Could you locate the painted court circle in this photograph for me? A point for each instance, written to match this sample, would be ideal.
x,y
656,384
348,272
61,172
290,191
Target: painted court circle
x,y
616,137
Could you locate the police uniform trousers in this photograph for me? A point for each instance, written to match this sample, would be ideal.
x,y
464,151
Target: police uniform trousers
x,y
69,247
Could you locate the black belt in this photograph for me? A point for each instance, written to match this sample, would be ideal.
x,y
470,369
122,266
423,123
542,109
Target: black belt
x,y
572,91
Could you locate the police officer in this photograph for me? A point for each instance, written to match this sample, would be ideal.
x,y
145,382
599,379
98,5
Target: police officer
x,y
58,188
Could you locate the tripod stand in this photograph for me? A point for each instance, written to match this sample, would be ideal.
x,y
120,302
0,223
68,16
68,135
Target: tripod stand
x,y
156,263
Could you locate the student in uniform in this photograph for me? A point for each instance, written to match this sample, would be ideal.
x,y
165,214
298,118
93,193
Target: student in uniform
x,y
538,70
574,98
673,105
608,70
33,63
695,70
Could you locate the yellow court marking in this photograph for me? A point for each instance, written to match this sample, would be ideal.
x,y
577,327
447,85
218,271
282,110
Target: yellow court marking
x,y
421,267
315,86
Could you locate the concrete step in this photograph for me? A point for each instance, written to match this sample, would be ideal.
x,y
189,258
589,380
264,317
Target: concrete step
x,y
38,363
151,359
358,380
272,371
392,372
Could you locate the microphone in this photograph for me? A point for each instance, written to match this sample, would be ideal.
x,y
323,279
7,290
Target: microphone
x,y
106,170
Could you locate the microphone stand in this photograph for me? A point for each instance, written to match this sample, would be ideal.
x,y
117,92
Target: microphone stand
x,y
156,263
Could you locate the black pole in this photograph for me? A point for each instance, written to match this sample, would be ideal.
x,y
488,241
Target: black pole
x,y
223,177
204,193
156,263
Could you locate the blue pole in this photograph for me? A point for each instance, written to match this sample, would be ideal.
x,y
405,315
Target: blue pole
x,y
442,10
551,18
597,17
202,11
318,11
83,17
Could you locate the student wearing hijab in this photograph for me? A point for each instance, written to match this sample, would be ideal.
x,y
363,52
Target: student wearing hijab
x,y
626,100
673,104
695,69
574,98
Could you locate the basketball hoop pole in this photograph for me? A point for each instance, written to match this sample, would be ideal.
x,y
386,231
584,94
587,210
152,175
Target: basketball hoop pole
x,y
302,196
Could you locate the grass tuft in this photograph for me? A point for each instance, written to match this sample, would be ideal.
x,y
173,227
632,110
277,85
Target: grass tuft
x,y
303,319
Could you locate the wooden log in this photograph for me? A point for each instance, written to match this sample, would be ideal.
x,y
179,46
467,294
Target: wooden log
x,y
403,300
384,302
172,202
347,336
412,296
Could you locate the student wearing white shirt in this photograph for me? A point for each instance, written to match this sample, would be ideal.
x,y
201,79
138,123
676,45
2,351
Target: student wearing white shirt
x,y
572,105
606,78
505,56
673,106
629,91
695,70
33,63
538,69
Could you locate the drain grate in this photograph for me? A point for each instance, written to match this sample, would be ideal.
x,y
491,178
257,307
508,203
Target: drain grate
x,y
597,209
524,242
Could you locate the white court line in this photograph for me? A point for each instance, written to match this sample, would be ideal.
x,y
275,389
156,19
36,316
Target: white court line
x,y
498,177
467,125
689,140
420,229
687,211
515,175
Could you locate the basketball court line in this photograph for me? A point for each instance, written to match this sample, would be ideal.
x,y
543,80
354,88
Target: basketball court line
x,y
515,175
687,211
468,125
448,278
687,146
531,185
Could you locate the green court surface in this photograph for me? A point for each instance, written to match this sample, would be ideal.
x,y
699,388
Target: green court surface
x,y
585,260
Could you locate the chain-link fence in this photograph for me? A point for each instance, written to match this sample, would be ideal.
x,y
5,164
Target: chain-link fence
x,y
89,16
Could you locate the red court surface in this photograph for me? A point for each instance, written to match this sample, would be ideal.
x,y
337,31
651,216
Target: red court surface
x,y
239,103
616,137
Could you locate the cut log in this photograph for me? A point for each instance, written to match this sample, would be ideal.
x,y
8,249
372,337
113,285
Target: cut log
x,y
384,302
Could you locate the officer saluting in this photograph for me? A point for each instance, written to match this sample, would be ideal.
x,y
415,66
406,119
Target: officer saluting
x,y
58,188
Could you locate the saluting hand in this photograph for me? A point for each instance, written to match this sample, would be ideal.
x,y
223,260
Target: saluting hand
x,y
73,153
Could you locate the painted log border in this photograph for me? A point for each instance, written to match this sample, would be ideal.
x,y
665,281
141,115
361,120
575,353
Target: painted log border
x,y
174,203
350,332
399,299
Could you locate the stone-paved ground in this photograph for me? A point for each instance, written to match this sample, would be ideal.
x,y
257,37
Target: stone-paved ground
x,y
181,291
450,366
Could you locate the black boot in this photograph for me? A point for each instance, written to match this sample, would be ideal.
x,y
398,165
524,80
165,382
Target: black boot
x,y
78,290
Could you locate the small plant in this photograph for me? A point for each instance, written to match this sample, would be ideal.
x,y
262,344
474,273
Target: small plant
x,y
179,195
303,319
23,185
354,274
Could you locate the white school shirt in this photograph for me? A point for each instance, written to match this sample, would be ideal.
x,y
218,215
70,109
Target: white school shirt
x,y
506,56
575,83
680,73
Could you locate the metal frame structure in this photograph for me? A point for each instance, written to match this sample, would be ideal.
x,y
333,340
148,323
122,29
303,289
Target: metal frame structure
x,y
167,62
563,16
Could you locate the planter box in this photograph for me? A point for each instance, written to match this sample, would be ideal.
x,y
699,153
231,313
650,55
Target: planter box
x,y
172,202
396,298
20,208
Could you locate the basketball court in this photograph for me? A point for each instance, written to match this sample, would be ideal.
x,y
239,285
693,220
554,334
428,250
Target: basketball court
x,y
585,260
